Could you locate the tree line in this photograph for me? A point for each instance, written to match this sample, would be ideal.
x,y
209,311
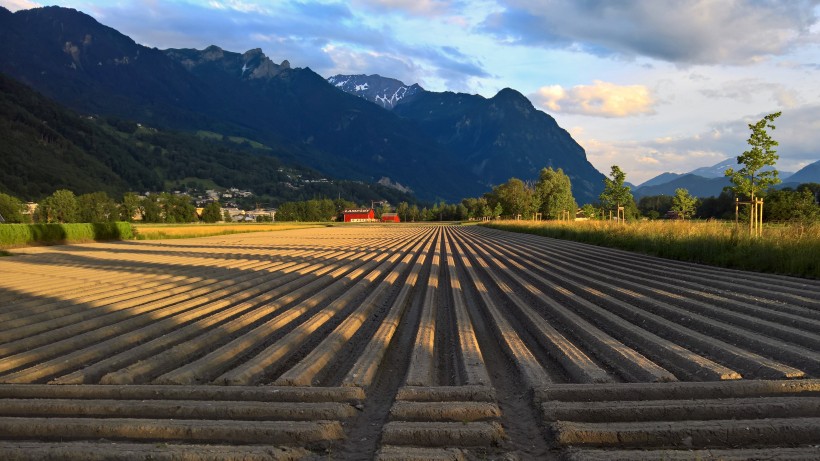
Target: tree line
x,y
63,206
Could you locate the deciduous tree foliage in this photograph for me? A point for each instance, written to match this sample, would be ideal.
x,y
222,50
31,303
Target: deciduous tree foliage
x,y
684,204
792,206
553,192
60,207
11,209
751,180
129,206
514,197
212,212
97,207
654,206
616,194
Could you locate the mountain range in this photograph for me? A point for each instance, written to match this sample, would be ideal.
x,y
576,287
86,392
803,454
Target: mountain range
x,y
437,145
709,181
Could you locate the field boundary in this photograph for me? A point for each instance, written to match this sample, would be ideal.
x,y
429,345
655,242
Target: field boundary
x,y
782,250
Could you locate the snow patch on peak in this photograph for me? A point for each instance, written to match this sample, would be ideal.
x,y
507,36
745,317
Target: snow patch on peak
x,y
386,92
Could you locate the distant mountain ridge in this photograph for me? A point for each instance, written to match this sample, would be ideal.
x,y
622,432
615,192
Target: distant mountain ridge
x,y
809,173
710,181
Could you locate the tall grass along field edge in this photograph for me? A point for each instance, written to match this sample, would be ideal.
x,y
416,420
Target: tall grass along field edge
x,y
787,249
16,235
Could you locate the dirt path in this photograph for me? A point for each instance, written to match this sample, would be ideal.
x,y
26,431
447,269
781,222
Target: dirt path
x,y
399,342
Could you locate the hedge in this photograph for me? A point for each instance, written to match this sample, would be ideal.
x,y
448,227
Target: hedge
x,y
52,234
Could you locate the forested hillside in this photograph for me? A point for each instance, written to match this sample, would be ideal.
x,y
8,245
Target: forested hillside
x,y
48,147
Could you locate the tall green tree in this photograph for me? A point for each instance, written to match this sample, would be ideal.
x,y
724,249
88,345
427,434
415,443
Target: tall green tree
x,y
792,205
415,213
684,204
212,212
177,208
11,209
97,207
403,210
514,197
59,207
553,192
616,193
129,207
152,209
751,180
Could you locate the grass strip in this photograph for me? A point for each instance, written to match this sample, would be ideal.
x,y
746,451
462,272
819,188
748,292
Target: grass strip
x,y
783,249
15,235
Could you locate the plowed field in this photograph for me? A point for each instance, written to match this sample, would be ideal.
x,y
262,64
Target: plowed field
x,y
400,342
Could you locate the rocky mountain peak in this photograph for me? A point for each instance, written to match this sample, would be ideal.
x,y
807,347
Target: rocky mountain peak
x,y
252,64
213,53
386,92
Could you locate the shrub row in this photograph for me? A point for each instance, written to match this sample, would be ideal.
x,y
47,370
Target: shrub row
x,y
52,234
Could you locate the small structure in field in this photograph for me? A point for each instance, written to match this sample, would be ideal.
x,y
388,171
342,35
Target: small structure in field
x,y
360,215
390,217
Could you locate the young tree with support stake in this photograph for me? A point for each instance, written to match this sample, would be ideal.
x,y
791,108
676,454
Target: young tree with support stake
x,y
750,181
617,195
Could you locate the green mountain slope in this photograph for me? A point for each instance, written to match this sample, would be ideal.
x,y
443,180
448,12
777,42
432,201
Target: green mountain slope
x,y
46,147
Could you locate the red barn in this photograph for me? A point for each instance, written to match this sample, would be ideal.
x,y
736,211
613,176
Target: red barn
x,y
390,217
360,215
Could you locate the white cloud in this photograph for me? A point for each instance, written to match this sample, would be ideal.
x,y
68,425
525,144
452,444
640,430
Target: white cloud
x,y
745,90
704,31
16,5
412,7
601,99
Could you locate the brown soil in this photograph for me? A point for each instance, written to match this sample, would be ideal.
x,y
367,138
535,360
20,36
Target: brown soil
x,y
400,342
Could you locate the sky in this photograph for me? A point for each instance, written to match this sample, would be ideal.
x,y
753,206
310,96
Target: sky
x,y
652,86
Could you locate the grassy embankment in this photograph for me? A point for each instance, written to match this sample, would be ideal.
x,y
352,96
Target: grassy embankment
x,y
20,235
17,235
783,249
180,231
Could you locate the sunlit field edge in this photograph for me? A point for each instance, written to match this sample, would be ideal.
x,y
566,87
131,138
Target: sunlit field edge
x,y
788,249
180,231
